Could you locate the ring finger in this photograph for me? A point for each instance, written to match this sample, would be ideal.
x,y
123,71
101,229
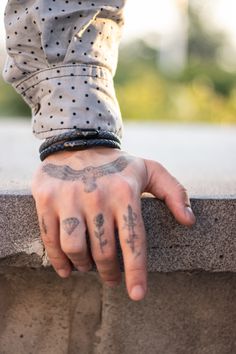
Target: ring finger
x,y
73,240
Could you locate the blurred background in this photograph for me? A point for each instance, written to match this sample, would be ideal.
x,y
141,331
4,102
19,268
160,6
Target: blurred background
x,y
177,63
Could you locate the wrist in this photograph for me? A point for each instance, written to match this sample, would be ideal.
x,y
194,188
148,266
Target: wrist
x,y
85,154
79,139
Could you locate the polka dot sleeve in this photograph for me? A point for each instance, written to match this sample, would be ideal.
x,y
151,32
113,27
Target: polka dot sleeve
x,y
62,57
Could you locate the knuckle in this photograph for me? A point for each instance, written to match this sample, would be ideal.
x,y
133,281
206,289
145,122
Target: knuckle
x,y
118,182
49,241
44,195
73,249
136,269
56,259
176,190
126,188
183,191
109,276
97,198
180,186
69,190
105,259
83,263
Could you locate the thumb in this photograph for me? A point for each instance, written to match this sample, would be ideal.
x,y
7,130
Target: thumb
x,y
166,187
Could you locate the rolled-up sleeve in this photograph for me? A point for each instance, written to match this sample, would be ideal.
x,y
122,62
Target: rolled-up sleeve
x,y
62,57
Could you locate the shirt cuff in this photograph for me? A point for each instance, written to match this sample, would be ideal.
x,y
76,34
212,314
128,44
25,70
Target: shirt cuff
x,y
66,97
69,96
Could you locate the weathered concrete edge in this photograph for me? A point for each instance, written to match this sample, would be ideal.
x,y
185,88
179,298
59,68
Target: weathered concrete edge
x,y
210,245
19,191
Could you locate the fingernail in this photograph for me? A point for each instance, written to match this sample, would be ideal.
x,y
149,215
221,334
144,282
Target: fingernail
x,y
137,293
190,214
63,273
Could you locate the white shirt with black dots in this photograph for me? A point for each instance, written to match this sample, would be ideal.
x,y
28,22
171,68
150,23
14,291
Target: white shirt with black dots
x,y
62,57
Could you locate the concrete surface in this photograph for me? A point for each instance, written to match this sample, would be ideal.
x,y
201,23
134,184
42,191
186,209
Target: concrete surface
x,y
183,313
209,245
190,307
43,314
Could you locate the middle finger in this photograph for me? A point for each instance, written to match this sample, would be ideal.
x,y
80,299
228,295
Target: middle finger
x,y
103,246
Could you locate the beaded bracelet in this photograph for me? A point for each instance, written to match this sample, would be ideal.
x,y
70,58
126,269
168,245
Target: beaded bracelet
x,y
79,134
78,145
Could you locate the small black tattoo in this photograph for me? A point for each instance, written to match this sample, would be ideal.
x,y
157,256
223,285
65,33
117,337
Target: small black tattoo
x,y
70,224
130,223
99,222
87,175
43,226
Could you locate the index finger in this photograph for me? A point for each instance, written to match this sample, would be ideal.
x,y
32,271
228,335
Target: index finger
x,y
133,244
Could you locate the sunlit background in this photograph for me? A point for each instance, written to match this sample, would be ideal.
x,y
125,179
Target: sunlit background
x,y
177,63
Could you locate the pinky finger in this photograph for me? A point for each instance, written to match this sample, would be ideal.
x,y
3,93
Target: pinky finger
x,y
49,228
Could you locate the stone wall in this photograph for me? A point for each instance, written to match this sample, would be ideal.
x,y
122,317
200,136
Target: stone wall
x,y
190,307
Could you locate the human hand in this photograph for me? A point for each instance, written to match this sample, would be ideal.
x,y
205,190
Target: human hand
x,y
99,190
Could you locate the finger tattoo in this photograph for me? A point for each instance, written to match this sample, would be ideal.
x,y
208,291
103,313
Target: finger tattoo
x,y
43,226
99,232
70,224
88,175
130,222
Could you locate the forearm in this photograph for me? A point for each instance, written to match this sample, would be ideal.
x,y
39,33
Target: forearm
x,y
62,57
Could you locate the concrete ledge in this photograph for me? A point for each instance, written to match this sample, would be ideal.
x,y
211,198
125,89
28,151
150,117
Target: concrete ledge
x,y
190,304
210,245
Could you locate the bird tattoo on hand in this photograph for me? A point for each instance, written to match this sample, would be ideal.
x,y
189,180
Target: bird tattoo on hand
x,y
87,175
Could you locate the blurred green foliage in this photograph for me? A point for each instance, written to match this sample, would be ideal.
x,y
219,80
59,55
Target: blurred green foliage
x,y
203,91
11,104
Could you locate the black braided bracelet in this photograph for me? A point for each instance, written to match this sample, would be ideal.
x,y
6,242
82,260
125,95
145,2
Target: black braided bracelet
x,y
79,134
78,145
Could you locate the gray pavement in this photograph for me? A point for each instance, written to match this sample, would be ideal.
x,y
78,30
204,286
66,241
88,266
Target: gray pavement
x,y
202,157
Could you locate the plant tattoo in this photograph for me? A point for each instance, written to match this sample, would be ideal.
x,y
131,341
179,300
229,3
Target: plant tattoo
x,y
87,175
99,232
70,224
130,222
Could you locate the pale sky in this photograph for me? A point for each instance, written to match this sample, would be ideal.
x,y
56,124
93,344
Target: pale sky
x,y
158,15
